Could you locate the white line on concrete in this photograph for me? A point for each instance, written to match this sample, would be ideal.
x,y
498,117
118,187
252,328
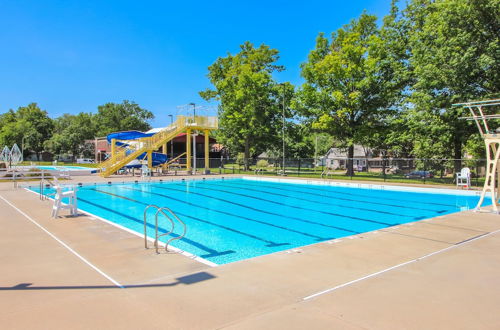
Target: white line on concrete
x,y
64,244
398,266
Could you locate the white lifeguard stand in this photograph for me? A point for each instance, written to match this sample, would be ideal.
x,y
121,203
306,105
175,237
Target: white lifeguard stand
x,y
61,194
492,143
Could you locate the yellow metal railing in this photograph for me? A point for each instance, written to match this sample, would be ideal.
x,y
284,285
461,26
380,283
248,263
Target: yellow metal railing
x,y
120,158
174,159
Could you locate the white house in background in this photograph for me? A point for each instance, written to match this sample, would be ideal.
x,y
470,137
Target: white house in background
x,y
336,158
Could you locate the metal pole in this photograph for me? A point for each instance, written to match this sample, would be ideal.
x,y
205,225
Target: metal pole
x,y
22,146
171,141
194,152
283,131
194,109
316,153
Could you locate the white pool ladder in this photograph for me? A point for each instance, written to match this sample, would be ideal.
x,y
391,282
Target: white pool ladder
x,y
171,216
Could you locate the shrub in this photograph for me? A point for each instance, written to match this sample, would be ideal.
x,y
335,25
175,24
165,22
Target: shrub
x,y
262,163
240,159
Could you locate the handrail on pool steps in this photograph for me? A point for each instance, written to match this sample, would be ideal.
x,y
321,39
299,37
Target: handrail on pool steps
x,y
169,215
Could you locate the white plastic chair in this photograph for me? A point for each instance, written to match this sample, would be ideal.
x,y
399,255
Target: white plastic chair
x,y
72,205
145,171
463,178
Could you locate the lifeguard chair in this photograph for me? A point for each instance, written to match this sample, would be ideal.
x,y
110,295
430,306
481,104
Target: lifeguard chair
x,y
492,143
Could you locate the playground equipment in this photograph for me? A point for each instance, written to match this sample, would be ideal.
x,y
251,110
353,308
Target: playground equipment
x,y
492,142
125,150
130,137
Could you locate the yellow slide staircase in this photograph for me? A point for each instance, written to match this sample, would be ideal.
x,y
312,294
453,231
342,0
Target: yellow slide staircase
x,y
125,154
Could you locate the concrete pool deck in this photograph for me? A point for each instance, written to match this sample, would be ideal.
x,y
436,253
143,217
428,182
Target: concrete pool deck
x,y
442,273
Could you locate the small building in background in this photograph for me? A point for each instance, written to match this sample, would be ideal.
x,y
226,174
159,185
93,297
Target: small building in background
x,y
336,158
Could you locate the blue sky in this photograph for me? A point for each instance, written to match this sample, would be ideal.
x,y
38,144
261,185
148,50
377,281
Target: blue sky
x,y
71,56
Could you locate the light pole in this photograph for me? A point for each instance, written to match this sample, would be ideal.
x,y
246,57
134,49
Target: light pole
x,y
171,141
22,146
194,109
316,153
283,131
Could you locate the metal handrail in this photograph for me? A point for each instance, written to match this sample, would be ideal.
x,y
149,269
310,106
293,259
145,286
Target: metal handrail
x,y
160,210
179,220
145,223
169,217
170,162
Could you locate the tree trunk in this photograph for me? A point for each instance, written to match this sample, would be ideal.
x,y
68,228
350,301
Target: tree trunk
x,y
247,153
350,162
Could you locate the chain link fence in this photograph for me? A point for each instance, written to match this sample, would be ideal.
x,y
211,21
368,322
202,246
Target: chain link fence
x,y
405,170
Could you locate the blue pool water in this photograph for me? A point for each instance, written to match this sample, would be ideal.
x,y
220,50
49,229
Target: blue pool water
x,y
234,219
64,168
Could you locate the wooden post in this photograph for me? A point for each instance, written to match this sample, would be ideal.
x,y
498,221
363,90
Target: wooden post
x,y
207,150
188,150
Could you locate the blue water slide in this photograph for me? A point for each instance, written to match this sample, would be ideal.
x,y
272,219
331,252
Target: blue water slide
x,y
158,158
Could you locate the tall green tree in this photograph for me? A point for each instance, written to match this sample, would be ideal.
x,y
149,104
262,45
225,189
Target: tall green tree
x,y
249,98
28,124
70,133
455,56
347,86
114,117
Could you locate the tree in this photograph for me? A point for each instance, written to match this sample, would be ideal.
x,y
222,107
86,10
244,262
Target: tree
x,y
114,117
30,123
455,55
301,141
249,109
70,133
347,85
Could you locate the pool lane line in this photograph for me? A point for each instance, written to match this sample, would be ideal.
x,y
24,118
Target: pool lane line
x,y
282,204
109,278
346,199
363,195
274,214
467,241
340,198
319,238
297,198
269,243
262,211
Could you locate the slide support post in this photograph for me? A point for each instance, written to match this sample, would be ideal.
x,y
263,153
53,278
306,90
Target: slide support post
x,y
207,149
188,151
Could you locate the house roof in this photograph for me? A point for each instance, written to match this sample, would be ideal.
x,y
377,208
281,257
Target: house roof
x,y
359,151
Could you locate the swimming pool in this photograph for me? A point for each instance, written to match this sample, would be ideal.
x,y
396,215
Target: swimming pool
x,y
238,218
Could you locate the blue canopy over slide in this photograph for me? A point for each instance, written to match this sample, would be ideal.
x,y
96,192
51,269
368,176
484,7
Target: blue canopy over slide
x,y
158,158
